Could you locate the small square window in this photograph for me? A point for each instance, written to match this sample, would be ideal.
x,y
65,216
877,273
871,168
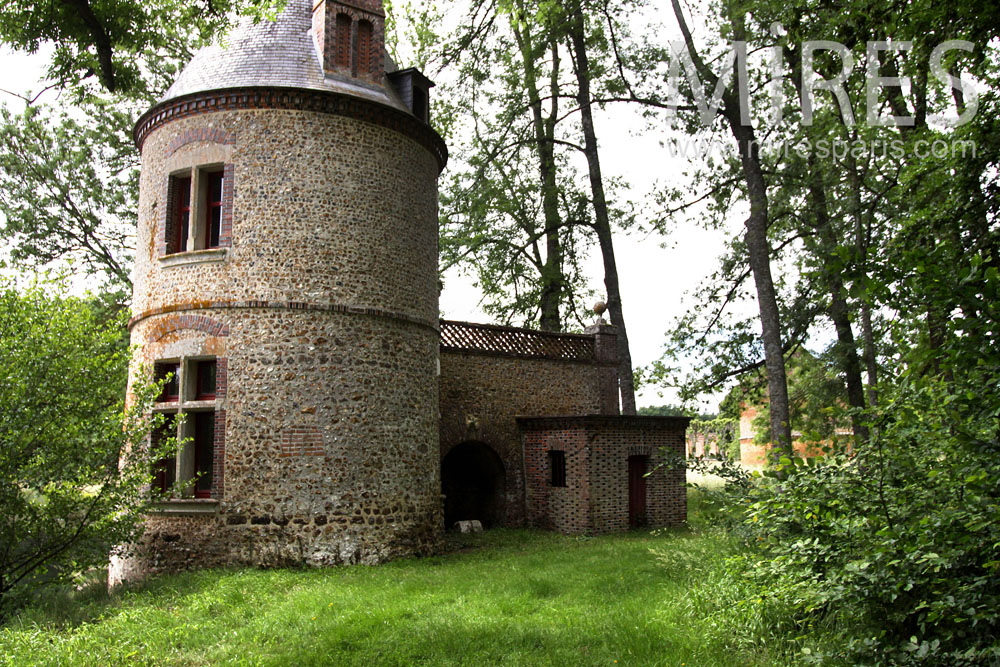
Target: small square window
x,y
169,371
205,380
557,467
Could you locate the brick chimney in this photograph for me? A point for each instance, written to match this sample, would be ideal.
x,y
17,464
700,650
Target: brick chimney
x,y
351,38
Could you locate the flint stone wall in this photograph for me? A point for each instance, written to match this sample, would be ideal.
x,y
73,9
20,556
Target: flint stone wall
x,y
328,301
326,210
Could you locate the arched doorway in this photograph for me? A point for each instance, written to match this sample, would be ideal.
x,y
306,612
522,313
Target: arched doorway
x,y
474,484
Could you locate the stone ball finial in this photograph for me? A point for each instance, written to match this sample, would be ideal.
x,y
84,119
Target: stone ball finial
x,y
600,308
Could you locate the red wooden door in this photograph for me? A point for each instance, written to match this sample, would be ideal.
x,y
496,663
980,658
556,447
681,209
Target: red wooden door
x,y
637,468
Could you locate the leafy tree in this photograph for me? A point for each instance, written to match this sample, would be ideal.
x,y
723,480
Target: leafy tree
x,y
755,239
66,493
511,212
892,549
69,188
68,166
111,38
664,411
559,53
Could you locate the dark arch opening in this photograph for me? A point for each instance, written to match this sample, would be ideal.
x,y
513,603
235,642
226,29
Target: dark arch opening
x,y
474,484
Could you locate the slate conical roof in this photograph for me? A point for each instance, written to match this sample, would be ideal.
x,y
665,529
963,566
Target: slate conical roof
x,y
281,53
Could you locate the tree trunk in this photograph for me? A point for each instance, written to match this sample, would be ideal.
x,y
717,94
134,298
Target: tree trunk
x,y
846,349
758,248
544,128
602,223
861,250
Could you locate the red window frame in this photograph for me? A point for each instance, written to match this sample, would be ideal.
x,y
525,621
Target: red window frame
x,y
204,452
213,208
165,469
182,185
202,375
171,392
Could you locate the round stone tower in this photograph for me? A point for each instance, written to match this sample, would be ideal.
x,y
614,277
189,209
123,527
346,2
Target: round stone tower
x,y
286,280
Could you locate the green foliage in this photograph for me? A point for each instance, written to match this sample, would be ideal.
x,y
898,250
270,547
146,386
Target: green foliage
x,y
64,498
895,550
69,167
111,38
69,188
664,411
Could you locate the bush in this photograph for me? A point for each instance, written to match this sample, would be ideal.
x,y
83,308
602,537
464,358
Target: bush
x,y
65,499
897,549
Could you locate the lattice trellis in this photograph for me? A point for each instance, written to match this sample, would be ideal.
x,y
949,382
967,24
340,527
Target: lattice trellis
x,y
465,336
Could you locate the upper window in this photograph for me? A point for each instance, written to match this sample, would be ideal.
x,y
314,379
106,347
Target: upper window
x,y
182,212
362,48
170,372
205,380
196,217
420,109
213,209
342,56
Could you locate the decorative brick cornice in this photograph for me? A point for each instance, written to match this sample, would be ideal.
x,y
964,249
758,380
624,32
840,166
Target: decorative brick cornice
x,y
280,305
319,101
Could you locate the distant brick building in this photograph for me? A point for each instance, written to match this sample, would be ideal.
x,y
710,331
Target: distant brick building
x,y
753,453
286,280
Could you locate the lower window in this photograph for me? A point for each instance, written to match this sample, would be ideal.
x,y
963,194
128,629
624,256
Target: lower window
x,y
191,405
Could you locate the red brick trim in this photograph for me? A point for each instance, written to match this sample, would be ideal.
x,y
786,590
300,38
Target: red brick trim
x,y
301,441
202,134
228,191
219,455
319,101
281,305
204,323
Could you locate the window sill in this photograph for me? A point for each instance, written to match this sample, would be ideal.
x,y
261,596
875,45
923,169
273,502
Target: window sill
x,y
185,507
209,256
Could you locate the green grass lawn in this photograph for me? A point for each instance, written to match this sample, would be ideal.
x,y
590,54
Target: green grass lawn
x,y
504,597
